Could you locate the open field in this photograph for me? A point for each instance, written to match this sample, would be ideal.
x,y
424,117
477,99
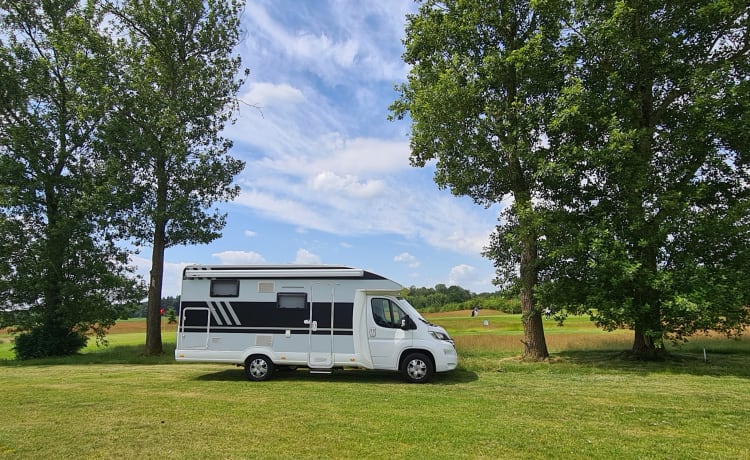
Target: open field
x,y
588,401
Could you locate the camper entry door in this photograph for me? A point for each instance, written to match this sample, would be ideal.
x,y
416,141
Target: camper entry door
x,y
320,335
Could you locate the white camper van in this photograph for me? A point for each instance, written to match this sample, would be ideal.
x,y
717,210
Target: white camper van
x,y
320,317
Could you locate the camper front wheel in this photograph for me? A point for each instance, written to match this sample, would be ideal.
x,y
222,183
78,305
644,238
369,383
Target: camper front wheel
x,y
258,368
417,368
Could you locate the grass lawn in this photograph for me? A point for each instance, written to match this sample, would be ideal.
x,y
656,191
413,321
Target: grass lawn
x,y
588,401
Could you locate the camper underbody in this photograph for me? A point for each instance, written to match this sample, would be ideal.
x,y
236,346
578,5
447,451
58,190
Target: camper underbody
x,y
318,317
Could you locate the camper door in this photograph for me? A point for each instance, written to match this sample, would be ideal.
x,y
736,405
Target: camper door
x,y
194,327
320,334
386,336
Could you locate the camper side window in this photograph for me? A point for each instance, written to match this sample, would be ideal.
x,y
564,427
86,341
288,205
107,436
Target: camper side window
x,y
225,288
386,313
291,300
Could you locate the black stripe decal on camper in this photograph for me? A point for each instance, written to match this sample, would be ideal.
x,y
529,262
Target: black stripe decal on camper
x,y
223,313
265,315
214,314
231,311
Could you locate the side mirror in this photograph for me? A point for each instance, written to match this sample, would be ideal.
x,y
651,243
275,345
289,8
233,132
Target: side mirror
x,y
407,323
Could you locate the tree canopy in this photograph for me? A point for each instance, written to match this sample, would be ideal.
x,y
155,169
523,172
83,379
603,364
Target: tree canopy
x,y
650,136
169,161
479,96
616,132
62,276
110,129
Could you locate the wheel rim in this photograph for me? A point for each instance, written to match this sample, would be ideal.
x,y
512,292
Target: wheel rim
x,y
416,369
258,368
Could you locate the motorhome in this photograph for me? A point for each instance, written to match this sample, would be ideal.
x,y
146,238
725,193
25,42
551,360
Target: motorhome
x,y
319,317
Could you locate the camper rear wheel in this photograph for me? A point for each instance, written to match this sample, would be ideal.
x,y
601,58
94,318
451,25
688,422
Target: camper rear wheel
x,y
417,368
258,368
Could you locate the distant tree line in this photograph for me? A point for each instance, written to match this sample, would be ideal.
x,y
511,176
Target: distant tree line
x,y
166,303
452,298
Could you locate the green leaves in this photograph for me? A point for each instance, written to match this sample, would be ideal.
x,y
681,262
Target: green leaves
x,y
648,165
618,129
102,140
168,162
175,99
483,75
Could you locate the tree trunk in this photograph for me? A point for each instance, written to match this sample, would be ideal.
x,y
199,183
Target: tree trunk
x,y
154,344
645,347
55,261
647,339
534,341
642,343
535,344
153,319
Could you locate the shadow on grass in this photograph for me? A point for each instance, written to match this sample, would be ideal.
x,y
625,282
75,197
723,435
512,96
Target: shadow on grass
x,y
133,354
716,364
347,376
734,361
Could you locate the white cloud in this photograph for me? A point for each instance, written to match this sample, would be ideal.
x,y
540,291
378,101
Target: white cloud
x,y
361,155
269,95
460,275
285,209
407,258
239,257
250,233
333,152
320,154
305,257
349,185
317,49
337,41
326,203
320,47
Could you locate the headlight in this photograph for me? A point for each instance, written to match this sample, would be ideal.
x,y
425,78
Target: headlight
x,y
440,336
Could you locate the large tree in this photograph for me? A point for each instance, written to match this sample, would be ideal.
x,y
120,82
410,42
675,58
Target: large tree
x,y
61,271
479,95
653,132
178,92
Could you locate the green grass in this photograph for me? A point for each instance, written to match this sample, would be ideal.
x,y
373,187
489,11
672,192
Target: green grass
x,y
583,403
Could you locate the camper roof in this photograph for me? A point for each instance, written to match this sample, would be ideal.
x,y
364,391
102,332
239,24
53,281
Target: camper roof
x,y
276,271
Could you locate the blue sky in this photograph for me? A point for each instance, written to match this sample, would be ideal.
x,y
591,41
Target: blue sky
x,y
327,177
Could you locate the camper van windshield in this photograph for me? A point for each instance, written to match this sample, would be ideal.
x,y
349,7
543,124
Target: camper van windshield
x,y
406,302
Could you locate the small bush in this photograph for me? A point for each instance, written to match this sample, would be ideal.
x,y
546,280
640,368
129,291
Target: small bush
x,y
48,341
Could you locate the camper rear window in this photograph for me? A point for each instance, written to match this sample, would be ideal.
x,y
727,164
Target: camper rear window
x,y
225,288
292,300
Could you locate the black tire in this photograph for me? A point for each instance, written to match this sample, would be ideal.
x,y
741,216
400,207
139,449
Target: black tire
x,y
417,368
258,368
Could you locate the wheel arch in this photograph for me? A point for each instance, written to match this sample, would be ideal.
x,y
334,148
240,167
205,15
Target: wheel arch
x,y
406,352
257,351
